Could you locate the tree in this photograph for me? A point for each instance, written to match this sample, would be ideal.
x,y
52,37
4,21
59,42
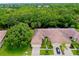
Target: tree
x,y
18,36
56,15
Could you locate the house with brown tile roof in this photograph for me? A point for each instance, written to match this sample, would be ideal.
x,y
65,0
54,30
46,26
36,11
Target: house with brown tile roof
x,y
2,34
55,35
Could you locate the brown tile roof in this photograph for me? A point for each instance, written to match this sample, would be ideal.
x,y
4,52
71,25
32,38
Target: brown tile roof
x,y
78,36
69,32
2,34
37,38
56,35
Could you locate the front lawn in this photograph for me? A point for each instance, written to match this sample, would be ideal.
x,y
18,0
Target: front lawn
x,y
46,52
21,52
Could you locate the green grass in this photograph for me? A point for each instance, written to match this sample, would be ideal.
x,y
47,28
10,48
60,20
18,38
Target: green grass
x,y
75,52
75,44
46,52
21,52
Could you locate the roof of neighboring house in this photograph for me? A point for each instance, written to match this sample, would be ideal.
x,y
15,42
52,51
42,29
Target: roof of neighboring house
x,y
55,35
2,34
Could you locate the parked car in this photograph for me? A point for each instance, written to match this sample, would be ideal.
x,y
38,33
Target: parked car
x,y
58,50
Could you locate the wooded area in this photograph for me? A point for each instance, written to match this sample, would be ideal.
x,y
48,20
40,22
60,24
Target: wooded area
x,y
40,15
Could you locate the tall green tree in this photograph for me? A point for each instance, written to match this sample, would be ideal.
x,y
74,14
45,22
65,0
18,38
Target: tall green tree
x,y
18,36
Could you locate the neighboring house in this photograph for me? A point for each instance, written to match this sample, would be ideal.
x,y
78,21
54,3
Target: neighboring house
x,y
2,34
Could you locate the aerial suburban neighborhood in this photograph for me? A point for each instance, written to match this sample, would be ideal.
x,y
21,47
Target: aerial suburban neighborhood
x,y
57,37
39,29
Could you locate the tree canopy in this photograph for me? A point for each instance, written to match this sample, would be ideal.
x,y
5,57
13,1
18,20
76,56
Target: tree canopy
x,y
18,36
40,15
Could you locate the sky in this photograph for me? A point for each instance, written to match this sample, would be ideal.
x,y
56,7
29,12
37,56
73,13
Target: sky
x,y
39,1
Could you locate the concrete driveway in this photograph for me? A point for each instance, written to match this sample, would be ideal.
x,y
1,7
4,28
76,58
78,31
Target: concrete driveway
x,y
68,52
36,51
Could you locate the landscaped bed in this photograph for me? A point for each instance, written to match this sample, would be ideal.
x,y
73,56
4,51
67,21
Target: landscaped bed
x,y
47,43
47,46
63,47
46,52
75,45
75,52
